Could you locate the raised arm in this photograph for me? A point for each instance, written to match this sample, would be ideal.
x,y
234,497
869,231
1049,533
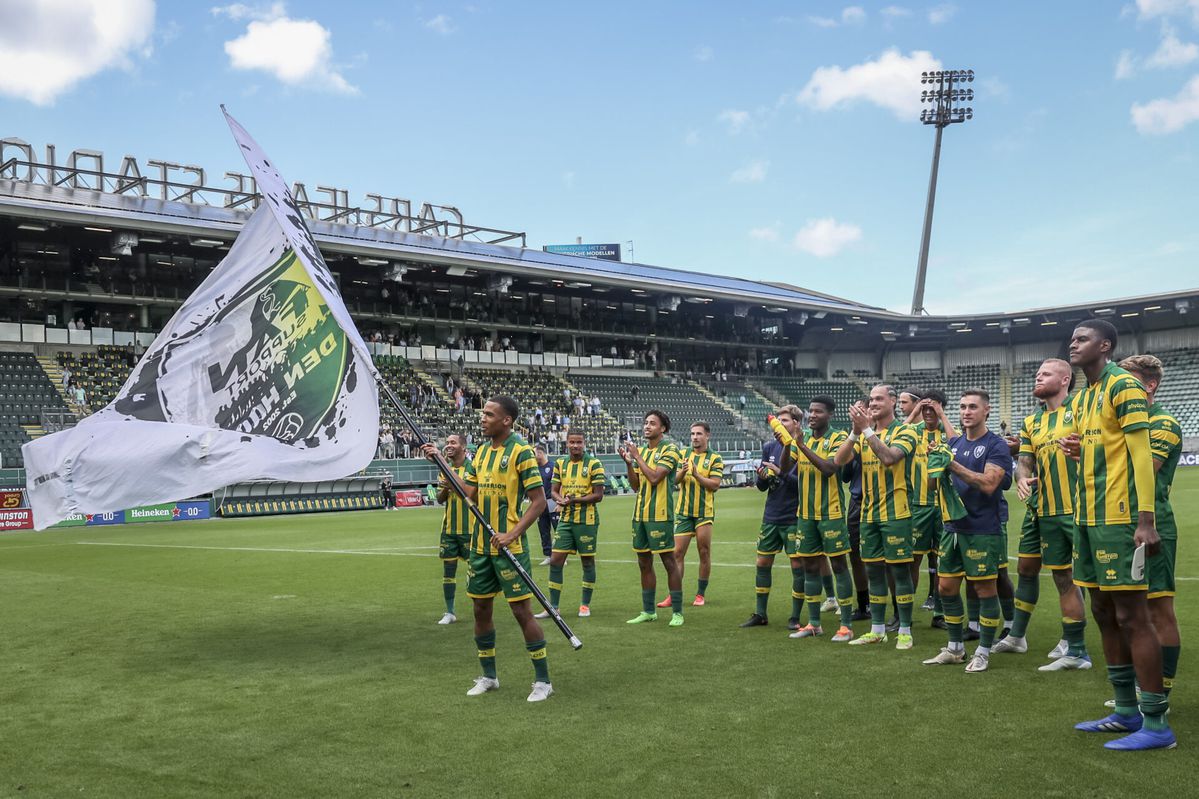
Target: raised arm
x,y
987,481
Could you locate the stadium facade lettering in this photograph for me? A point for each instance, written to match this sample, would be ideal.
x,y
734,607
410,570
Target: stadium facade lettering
x,y
161,179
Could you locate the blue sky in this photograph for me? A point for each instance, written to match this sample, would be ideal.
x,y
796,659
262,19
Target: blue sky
x,y
777,141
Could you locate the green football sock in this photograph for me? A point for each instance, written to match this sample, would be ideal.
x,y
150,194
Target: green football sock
x,y
797,595
485,643
703,587
1007,606
876,578
954,619
1123,680
844,586
990,620
448,584
1028,590
812,584
588,581
555,584
647,600
1169,666
826,582
541,666
1074,631
1153,708
762,587
676,600
903,593
971,610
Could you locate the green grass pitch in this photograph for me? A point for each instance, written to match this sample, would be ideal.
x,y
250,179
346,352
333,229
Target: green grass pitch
x,y
298,656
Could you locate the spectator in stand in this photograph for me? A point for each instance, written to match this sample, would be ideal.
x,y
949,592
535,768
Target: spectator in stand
x,y
578,406
388,442
595,405
741,402
406,442
66,377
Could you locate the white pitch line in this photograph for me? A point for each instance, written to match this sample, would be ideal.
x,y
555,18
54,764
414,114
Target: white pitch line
x,y
401,554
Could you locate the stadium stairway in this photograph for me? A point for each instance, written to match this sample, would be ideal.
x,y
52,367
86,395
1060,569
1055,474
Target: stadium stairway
x,y
1005,402
756,406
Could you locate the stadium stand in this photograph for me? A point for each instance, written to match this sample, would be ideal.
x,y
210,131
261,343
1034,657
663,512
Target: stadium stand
x,y
1179,391
799,391
25,390
100,373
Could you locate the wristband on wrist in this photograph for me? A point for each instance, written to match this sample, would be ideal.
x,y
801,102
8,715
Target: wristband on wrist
x,y
853,437
868,432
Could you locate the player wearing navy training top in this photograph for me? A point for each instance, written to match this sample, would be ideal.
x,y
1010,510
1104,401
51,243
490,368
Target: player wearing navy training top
x,y
973,546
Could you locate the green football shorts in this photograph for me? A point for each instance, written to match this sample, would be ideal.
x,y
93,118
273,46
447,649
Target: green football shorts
x,y
687,525
454,546
975,556
824,537
1103,558
575,537
492,575
1160,567
889,541
774,538
1050,538
653,537
926,528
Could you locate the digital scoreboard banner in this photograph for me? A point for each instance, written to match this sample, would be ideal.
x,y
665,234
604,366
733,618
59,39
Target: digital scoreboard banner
x,y
167,512
605,252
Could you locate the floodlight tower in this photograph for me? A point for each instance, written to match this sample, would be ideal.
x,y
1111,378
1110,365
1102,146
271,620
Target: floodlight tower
x,y
945,96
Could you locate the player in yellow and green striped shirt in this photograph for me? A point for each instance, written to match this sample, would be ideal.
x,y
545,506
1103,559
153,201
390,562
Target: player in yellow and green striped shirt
x,y
884,445
651,474
500,477
1114,511
455,525
697,480
578,488
1045,480
1165,441
932,430
821,527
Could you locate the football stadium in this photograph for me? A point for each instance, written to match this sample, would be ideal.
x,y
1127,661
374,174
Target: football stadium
x,y
274,459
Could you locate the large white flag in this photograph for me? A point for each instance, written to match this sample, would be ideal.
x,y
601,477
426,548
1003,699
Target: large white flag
x,y
261,374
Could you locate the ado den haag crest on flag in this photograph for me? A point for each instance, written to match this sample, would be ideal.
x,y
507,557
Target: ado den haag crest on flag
x,y
261,374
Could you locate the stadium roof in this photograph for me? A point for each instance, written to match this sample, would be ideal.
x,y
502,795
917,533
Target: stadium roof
x,y
85,206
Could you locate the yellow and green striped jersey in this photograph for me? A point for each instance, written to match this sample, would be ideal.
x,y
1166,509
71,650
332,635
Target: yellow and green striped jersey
x,y
655,503
819,496
926,439
885,488
578,479
693,499
457,518
1105,492
1056,473
1165,442
502,476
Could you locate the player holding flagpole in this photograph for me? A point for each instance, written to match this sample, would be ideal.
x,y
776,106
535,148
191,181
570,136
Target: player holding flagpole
x,y
455,524
501,476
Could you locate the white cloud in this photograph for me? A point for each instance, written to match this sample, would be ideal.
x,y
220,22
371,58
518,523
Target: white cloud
x,y
1168,115
894,12
753,172
441,24
853,15
850,15
1126,65
994,87
892,82
939,15
47,46
1166,8
692,138
737,120
704,53
826,237
1172,52
296,51
568,179
769,233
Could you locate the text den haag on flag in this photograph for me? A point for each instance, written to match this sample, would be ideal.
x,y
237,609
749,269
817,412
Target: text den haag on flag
x,y
260,374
